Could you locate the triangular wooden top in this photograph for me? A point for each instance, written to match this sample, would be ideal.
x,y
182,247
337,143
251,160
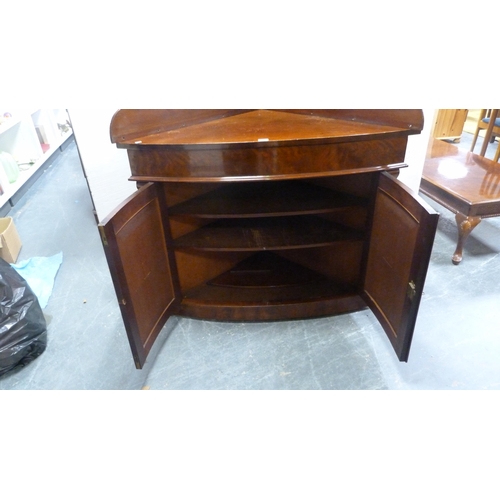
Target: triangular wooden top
x,y
200,128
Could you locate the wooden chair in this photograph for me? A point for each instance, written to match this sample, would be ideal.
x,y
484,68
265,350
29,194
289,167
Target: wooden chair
x,y
489,121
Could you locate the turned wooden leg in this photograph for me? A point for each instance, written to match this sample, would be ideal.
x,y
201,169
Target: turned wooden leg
x,y
465,227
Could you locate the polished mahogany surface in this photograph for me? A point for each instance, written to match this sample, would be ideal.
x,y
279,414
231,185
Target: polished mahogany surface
x,y
263,126
220,145
197,128
463,181
266,215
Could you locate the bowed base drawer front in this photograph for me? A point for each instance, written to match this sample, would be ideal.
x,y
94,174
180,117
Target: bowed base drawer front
x,y
247,162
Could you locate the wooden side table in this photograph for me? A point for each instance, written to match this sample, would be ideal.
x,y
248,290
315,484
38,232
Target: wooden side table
x,y
465,183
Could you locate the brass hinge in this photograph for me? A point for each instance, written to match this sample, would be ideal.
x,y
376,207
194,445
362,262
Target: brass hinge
x,y
412,290
103,236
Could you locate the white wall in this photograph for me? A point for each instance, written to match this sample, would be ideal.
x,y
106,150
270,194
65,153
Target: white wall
x,y
415,152
106,166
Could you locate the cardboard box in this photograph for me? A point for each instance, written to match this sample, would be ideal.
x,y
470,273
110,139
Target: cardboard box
x,y
10,243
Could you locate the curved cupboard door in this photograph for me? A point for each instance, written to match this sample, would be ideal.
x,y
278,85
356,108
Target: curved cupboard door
x,y
136,243
400,247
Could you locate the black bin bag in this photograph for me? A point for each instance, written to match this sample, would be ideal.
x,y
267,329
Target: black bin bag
x,y
23,329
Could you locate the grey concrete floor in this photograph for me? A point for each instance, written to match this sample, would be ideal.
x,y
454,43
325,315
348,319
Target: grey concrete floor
x,y
456,342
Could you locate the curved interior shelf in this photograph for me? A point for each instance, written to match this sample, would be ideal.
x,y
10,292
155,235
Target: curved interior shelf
x,y
267,233
266,199
266,279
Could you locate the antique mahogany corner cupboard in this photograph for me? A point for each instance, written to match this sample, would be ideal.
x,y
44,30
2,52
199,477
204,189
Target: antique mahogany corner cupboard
x,y
265,214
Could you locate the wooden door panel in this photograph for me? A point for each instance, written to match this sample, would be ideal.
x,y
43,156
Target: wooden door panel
x,y
402,236
135,240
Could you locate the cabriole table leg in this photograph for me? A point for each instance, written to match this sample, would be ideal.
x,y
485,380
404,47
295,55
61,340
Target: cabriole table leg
x,y
465,226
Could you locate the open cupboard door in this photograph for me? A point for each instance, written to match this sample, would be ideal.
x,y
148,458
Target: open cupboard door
x,y
401,243
135,240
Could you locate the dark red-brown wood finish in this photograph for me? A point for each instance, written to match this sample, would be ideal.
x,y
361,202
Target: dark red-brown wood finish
x,y
400,247
137,245
264,215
